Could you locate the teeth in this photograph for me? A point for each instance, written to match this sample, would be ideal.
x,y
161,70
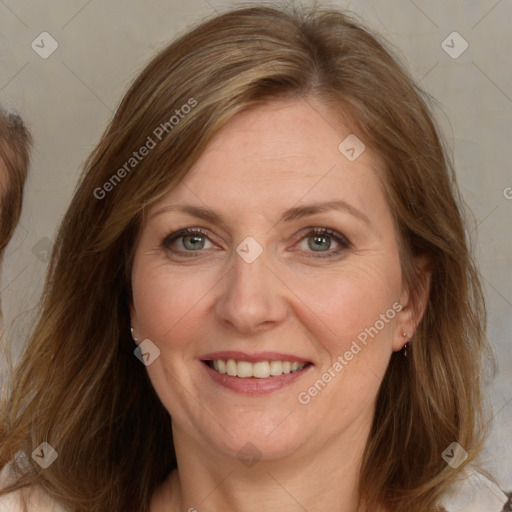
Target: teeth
x,y
243,369
260,370
221,366
231,367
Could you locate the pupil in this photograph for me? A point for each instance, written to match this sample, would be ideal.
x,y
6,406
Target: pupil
x,y
322,238
195,240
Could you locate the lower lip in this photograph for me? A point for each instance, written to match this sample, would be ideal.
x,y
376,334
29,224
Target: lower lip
x,y
253,385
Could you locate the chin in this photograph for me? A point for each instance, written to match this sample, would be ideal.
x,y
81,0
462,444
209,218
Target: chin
x,y
261,440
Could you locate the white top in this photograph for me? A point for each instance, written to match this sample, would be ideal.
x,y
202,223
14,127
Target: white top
x,y
472,493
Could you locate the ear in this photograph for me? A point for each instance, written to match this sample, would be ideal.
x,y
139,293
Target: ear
x,y
414,303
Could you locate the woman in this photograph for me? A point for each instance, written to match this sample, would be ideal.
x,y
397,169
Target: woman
x,y
15,143
196,352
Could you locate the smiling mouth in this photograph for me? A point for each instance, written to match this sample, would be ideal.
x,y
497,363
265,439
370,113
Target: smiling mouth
x,y
259,370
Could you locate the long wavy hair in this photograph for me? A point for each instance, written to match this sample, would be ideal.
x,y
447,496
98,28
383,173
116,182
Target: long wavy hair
x,y
78,385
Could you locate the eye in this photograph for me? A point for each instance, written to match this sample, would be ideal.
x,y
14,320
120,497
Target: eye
x,y
318,239
190,240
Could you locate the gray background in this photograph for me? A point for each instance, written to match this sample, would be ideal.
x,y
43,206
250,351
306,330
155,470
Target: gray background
x,y
68,98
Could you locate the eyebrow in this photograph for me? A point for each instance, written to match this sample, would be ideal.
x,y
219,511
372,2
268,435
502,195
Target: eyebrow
x,y
297,212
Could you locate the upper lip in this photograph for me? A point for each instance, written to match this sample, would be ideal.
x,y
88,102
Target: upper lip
x,y
252,358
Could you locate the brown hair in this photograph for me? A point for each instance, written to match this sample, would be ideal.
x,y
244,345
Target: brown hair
x,y
15,145
79,386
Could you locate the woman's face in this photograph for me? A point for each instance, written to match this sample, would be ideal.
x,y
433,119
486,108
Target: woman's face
x,y
257,284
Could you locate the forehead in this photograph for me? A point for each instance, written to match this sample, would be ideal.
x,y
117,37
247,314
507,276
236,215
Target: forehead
x,y
278,154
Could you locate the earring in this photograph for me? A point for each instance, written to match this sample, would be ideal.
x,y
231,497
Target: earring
x,y
134,338
406,343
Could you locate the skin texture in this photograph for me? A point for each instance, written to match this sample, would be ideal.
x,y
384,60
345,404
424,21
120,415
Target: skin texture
x,y
291,299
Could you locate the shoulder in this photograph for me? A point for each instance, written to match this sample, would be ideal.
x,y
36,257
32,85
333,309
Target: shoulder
x,y
473,492
35,500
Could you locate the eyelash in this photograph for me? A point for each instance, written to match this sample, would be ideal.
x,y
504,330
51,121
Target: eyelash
x,y
316,231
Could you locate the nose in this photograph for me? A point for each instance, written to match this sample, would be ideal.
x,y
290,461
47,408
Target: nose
x,y
251,297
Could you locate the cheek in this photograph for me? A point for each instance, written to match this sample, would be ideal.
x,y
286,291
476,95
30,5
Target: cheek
x,y
166,301
354,323
351,299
